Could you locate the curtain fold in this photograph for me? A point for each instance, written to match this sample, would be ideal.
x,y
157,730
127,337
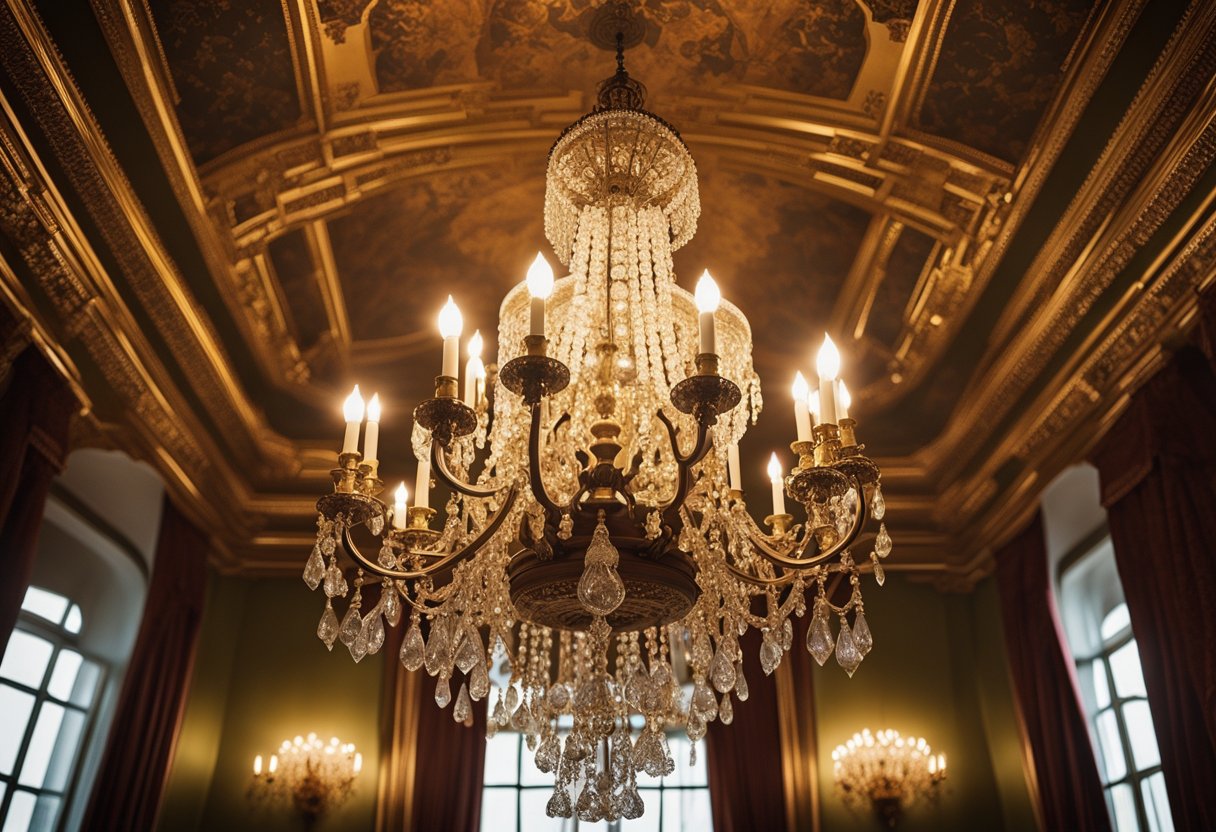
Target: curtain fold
x,y
431,767
36,409
1158,472
136,762
746,779
1069,790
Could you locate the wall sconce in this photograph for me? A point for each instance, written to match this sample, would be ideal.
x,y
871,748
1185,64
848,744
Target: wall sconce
x,y
313,775
887,773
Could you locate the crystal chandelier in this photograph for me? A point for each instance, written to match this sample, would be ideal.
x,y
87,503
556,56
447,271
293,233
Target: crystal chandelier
x,y
596,542
312,775
886,772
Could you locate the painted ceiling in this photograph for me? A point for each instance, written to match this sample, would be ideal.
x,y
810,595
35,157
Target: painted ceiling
x,y
320,174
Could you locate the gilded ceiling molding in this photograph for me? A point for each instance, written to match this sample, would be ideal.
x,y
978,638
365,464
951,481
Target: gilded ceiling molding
x,y
41,78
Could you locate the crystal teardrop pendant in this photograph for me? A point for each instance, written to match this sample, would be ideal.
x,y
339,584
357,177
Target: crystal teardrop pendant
x,y
600,589
878,506
314,570
861,634
879,574
741,690
726,711
464,706
327,629
882,543
847,655
722,672
352,625
819,637
412,648
443,692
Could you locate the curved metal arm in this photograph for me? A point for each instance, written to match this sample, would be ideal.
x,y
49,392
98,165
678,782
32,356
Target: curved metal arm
x,y
453,558
439,461
684,463
535,480
798,561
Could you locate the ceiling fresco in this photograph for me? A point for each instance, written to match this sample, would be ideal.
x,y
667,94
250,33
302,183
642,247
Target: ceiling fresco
x,y
334,168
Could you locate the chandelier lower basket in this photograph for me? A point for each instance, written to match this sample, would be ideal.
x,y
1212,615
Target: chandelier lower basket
x,y
658,591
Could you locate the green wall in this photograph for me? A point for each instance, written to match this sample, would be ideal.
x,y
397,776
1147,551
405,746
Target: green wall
x,y
937,670
262,676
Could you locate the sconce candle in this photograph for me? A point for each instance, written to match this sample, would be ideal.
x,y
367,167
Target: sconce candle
x,y
802,416
371,436
474,369
774,475
733,469
399,499
827,364
422,481
843,402
707,297
352,411
540,287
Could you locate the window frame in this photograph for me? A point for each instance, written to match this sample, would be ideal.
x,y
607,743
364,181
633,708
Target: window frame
x,y
521,748
60,638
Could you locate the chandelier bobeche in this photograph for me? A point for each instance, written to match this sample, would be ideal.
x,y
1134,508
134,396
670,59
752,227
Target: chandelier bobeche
x,y
596,541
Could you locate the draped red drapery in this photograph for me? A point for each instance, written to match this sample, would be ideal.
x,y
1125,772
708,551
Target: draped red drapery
x,y
1158,473
431,767
135,766
35,413
1069,789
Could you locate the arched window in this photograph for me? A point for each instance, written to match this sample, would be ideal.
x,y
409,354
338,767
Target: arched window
x,y
49,690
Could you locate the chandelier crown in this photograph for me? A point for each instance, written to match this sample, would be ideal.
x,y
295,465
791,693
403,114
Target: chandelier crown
x,y
621,91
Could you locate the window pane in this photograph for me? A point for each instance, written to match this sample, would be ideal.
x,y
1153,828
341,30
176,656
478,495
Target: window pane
x,y
20,812
684,774
502,759
26,658
15,709
64,755
86,684
1115,622
1112,746
74,620
63,677
529,774
1140,731
687,810
1101,684
1123,807
1125,667
42,743
48,605
532,812
498,810
1156,804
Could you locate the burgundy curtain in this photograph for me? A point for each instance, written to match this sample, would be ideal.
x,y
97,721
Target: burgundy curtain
x,y
142,738
1069,789
746,782
431,767
36,409
1158,471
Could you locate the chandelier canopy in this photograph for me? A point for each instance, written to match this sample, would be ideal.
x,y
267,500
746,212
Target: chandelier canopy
x,y
597,553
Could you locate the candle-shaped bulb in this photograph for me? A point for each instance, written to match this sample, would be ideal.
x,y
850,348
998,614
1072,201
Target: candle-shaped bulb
x,y
358,762
540,278
827,363
802,415
814,406
400,496
774,468
371,437
257,765
352,411
475,345
373,409
933,765
451,322
274,763
843,401
707,294
774,475
707,297
474,370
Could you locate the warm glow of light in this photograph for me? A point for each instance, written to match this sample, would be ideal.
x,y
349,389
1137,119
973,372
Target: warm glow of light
x,y
352,408
827,363
451,322
399,497
274,763
373,409
257,765
358,762
846,400
800,390
814,404
478,368
540,277
707,295
774,468
475,344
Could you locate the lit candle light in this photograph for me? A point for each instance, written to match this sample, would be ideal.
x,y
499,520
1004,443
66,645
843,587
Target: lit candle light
x,y
473,369
802,416
813,403
540,287
352,411
399,498
371,437
274,763
451,324
843,402
774,475
827,363
422,483
257,765
733,469
708,297
358,762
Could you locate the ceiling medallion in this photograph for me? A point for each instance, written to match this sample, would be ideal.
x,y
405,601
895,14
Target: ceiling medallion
x,y
597,541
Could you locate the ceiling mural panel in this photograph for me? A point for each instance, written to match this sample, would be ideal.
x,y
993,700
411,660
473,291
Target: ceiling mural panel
x,y
814,48
231,63
999,66
297,277
888,313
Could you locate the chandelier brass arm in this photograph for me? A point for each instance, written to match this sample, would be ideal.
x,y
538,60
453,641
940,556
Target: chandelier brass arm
x,y
684,463
439,463
535,479
452,559
797,560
